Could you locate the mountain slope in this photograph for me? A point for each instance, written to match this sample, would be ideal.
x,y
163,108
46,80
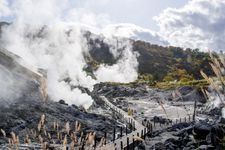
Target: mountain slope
x,y
154,59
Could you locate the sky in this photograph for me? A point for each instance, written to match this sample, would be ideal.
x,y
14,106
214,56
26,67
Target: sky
x,y
139,12
184,23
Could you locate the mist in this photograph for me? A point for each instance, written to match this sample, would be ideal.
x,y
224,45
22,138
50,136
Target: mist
x,y
11,86
42,36
125,70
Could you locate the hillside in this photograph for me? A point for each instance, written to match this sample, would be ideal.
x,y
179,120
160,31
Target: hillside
x,y
154,60
159,61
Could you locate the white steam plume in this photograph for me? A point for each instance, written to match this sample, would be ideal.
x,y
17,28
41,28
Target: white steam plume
x,y
42,37
122,70
10,85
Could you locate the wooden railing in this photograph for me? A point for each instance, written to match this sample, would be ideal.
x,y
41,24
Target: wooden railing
x,y
125,141
129,141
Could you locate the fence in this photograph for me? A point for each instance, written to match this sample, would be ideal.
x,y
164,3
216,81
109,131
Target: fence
x,y
128,137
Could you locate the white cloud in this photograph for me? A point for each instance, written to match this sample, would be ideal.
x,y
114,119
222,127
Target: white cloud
x,y
4,8
86,17
134,32
199,24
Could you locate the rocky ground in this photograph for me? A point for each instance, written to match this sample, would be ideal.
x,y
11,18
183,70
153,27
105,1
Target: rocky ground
x,y
147,102
207,132
22,116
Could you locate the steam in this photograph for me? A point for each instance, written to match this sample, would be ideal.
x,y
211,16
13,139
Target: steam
x,y
122,71
41,36
11,86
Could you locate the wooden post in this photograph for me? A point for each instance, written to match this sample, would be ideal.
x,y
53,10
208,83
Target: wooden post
x,y
82,146
126,130
133,143
180,120
114,134
121,132
151,128
95,142
127,142
185,119
194,113
121,145
131,123
105,137
189,118
137,136
134,125
142,134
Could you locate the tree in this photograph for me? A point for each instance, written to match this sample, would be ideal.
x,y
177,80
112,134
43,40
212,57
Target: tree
x,y
178,75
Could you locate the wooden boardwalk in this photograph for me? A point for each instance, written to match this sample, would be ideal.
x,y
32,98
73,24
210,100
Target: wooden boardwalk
x,y
126,140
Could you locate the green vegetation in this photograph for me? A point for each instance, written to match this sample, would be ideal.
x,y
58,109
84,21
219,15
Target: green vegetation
x,y
146,79
194,83
161,67
164,85
160,61
156,63
176,74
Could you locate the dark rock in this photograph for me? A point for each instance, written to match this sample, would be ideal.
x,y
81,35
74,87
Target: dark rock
x,y
114,91
171,144
214,112
62,102
24,114
180,126
141,146
201,130
217,134
159,146
160,119
190,94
